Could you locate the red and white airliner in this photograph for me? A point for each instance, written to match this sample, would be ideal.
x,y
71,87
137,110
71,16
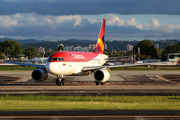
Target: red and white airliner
x,y
65,63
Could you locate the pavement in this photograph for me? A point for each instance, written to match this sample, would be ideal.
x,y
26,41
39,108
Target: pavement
x,y
92,115
120,83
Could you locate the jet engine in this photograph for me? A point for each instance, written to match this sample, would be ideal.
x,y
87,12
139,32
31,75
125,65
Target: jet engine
x,y
39,75
101,75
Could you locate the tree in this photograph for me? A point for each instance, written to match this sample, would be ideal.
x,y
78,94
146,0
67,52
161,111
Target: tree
x,y
1,55
61,47
12,48
128,53
147,50
30,51
170,49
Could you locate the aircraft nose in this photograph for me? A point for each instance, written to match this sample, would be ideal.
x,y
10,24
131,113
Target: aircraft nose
x,y
50,67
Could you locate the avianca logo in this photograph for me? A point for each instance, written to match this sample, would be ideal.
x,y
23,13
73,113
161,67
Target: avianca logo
x,y
77,56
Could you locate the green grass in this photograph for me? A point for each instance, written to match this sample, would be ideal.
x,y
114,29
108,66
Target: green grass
x,y
17,68
40,102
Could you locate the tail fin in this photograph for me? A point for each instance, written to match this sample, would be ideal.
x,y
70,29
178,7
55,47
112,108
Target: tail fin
x,y
100,43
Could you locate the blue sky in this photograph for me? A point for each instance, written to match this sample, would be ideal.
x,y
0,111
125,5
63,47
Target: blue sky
x,y
81,19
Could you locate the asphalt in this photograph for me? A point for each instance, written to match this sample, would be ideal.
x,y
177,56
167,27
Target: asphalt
x,y
121,83
93,114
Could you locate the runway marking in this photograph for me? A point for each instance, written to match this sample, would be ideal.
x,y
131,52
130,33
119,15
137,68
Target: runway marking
x,y
23,80
15,80
162,78
106,82
153,77
168,80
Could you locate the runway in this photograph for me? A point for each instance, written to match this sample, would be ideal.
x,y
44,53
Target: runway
x,y
120,83
92,115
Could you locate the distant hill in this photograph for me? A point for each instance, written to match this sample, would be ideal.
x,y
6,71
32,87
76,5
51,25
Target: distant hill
x,y
111,44
84,41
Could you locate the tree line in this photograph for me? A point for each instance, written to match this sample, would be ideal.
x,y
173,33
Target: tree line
x,y
13,49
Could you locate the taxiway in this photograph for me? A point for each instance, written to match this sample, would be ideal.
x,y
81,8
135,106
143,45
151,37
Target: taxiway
x,y
120,83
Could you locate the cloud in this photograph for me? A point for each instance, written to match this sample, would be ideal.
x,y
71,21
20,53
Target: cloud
x,y
75,26
114,20
90,7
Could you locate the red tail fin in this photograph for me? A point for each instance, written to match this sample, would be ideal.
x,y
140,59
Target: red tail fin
x,y
100,42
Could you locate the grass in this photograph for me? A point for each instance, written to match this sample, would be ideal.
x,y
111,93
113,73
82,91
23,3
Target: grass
x,y
40,102
17,68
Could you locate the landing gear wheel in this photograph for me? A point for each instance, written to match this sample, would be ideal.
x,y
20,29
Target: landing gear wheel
x,y
57,82
62,81
97,83
102,83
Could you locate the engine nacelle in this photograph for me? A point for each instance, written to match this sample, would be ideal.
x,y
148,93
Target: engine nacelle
x,y
101,75
39,75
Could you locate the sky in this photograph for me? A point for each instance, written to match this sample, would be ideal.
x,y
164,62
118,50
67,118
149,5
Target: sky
x,y
53,20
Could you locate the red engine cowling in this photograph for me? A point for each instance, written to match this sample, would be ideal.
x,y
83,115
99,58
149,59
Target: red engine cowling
x,y
39,75
101,75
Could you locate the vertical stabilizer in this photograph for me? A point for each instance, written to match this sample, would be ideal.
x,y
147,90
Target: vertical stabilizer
x,y
100,42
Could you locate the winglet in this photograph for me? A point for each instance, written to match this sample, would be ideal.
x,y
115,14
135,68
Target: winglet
x,y
100,42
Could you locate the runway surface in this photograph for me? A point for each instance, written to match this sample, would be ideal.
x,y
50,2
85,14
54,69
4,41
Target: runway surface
x,y
93,115
120,83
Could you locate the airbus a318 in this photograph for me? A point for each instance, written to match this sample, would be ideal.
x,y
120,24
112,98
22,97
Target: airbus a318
x,y
70,63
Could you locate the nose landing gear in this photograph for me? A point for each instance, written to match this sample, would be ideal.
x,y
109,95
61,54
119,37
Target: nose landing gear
x,y
60,80
97,83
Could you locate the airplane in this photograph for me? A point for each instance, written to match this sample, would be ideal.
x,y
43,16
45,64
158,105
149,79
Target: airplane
x,y
70,63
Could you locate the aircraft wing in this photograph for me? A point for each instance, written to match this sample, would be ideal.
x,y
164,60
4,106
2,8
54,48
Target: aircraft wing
x,y
126,65
109,58
26,64
138,64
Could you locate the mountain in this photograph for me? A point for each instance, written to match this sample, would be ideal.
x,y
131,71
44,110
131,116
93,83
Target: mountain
x,y
111,44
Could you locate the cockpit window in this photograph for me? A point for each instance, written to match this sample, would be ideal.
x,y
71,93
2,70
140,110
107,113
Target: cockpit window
x,y
61,59
56,59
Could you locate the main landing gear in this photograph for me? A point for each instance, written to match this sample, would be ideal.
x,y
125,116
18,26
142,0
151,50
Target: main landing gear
x,y
97,83
60,80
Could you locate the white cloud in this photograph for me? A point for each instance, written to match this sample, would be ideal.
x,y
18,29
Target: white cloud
x,y
76,19
2,36
132,22
75,26
154,24
7,21
113,20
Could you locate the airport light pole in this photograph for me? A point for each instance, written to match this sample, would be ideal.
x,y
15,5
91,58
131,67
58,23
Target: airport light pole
x,y
138,53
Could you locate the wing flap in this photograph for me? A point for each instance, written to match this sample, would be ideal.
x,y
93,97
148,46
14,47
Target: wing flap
x,y
93,68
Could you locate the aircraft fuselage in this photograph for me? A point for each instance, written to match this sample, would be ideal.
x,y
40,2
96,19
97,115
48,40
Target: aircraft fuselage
x,y
72,63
